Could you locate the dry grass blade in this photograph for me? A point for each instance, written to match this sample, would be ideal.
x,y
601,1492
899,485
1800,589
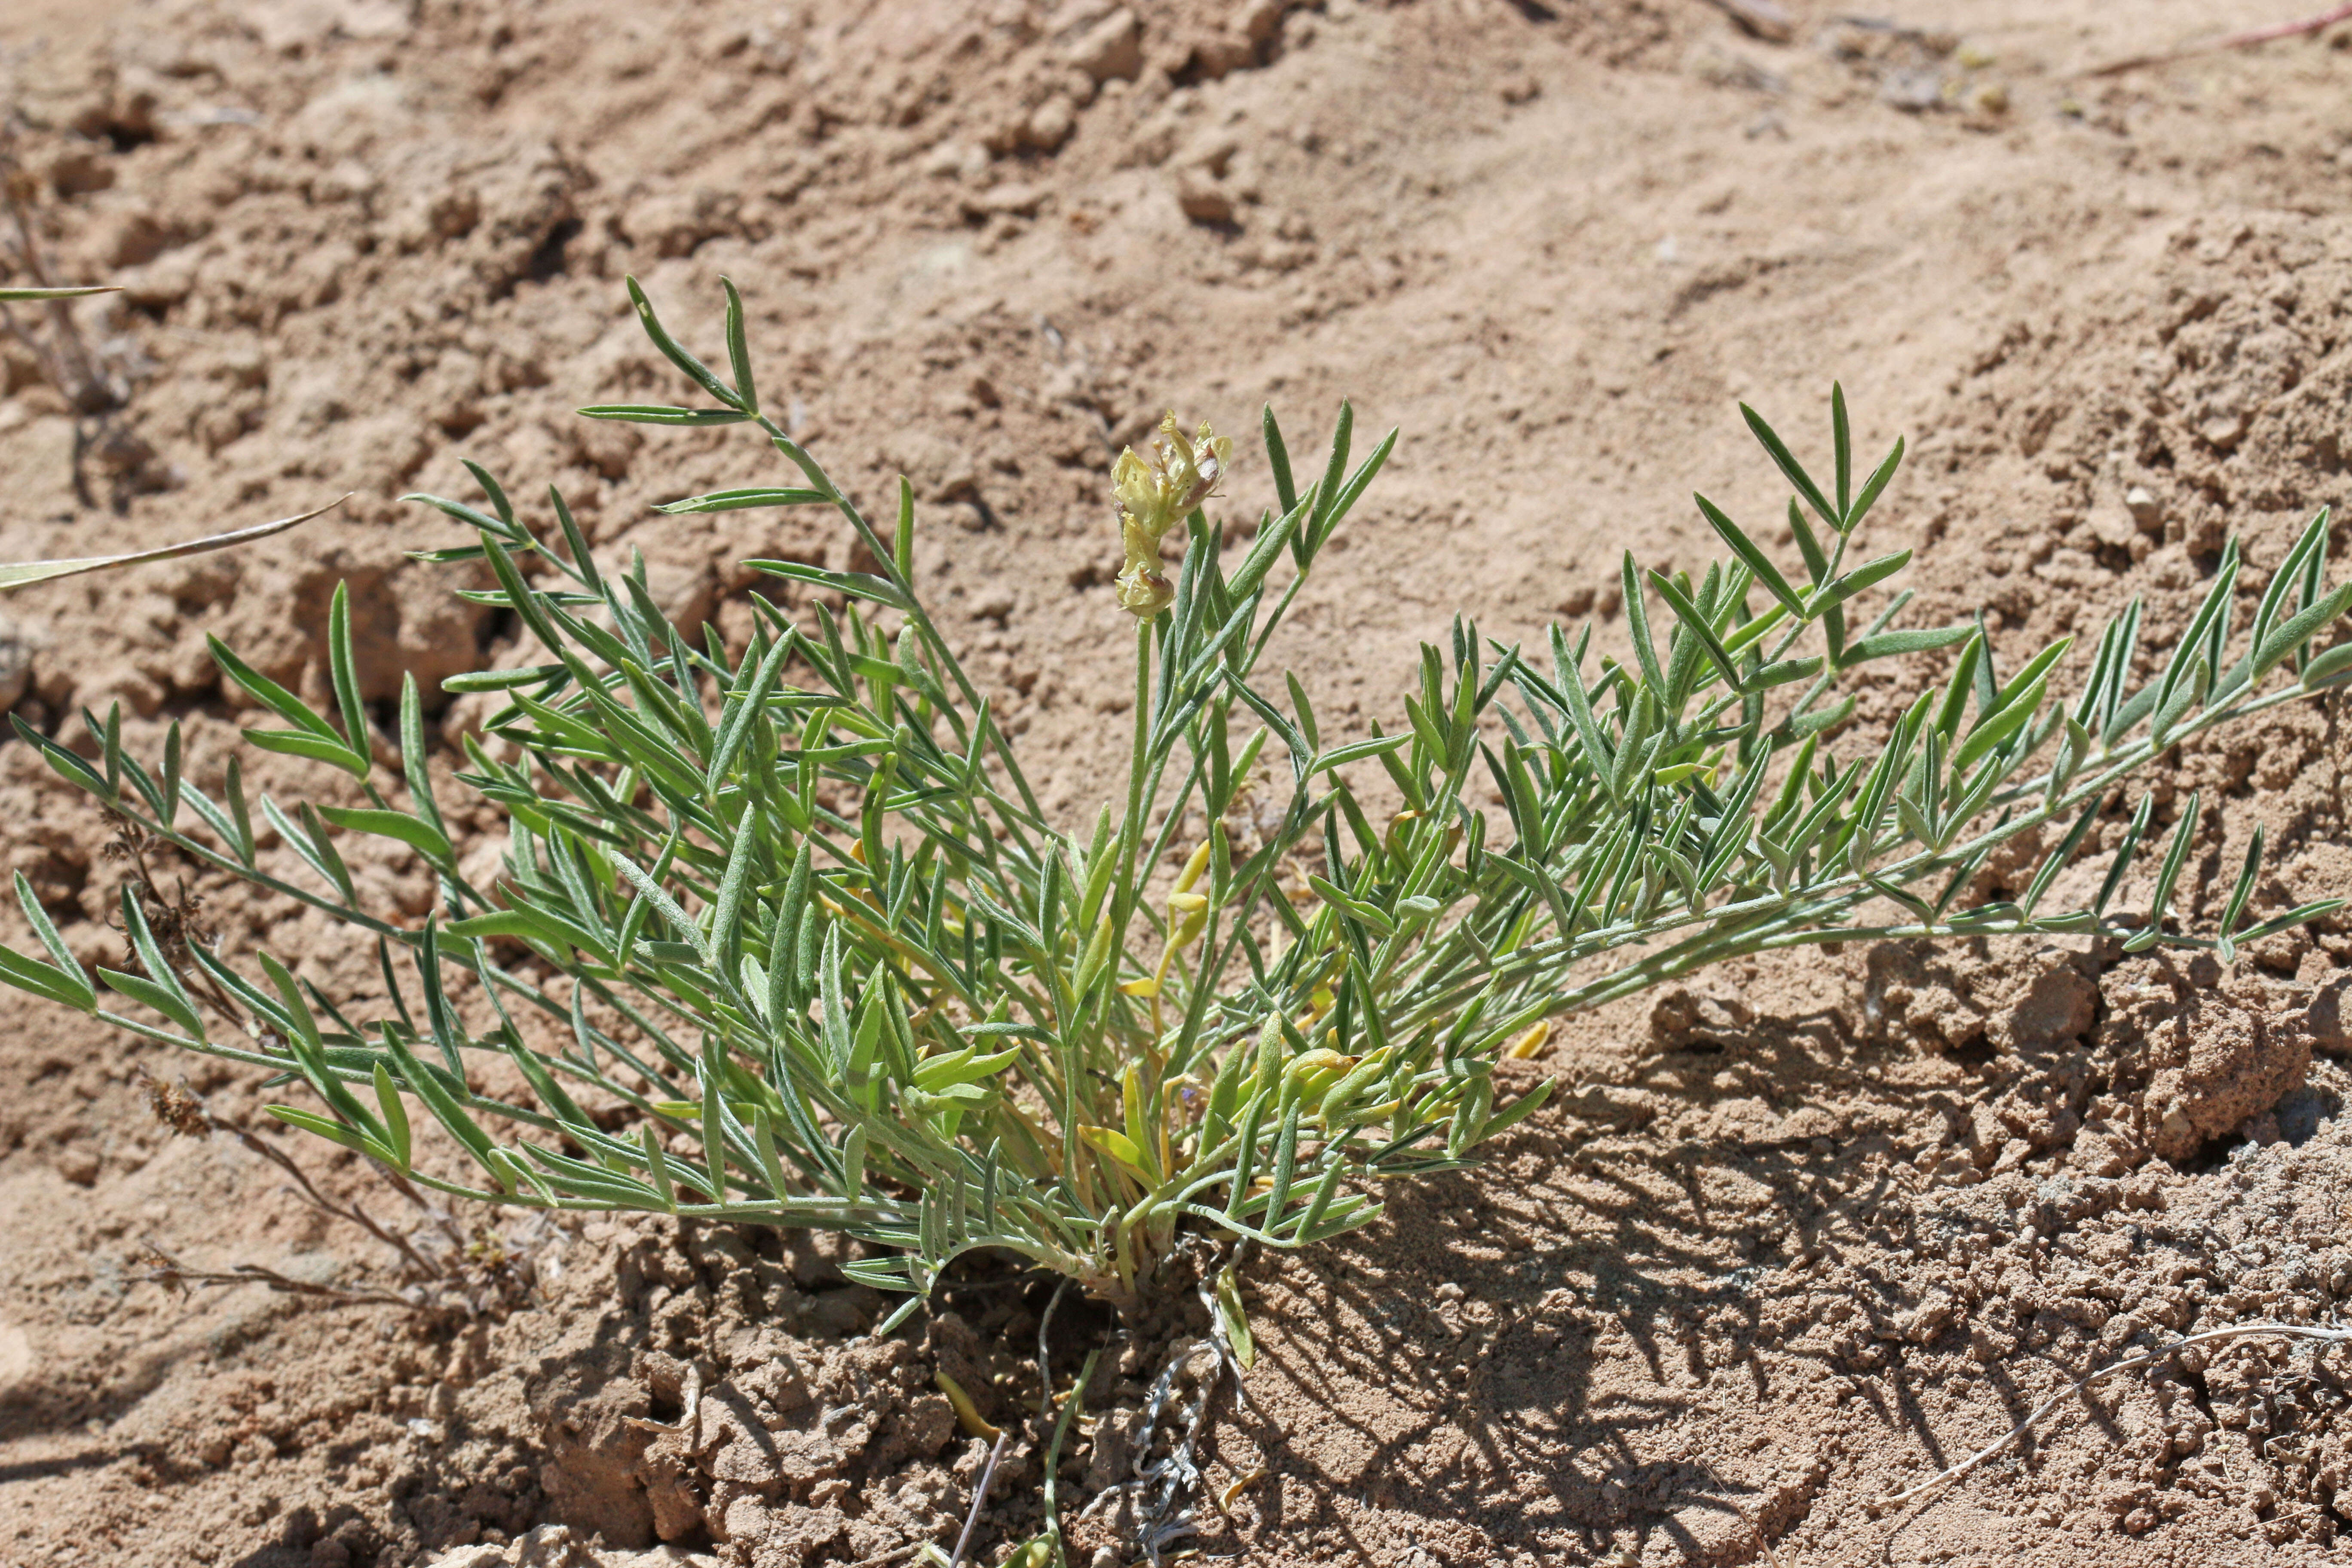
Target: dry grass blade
x,y
2246,39
2237,1331
23,573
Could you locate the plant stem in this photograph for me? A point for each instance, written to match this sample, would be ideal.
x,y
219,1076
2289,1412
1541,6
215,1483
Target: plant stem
x,y
1130,831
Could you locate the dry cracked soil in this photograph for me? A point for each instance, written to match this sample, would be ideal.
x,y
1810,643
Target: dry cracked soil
x,y
1789,1239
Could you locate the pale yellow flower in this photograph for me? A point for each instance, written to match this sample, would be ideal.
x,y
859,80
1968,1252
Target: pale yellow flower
x,y
1154,496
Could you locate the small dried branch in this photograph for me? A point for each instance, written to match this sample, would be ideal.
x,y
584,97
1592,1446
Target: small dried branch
x,y
184,1112
171,1273
979,1497
65,358
177,922
2237,1331
350,1213
1765,19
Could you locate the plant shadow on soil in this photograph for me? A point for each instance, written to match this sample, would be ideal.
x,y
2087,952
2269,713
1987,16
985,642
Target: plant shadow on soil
x,y
1636,1266
1529,1350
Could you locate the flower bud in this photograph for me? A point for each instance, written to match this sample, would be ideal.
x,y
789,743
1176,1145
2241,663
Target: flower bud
x,y
1188,914
1311,1075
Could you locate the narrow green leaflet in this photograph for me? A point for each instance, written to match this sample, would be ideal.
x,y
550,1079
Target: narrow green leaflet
x,y
76,291
661,413
742,500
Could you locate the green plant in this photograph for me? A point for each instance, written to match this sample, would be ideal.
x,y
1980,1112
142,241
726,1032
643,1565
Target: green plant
x,y
787,937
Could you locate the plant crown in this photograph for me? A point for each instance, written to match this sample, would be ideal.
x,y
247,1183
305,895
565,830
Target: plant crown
x,y
803,948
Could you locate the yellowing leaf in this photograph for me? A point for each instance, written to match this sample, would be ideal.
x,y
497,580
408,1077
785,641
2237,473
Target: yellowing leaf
x,y
1121,1148
1189,875
967,1415
1532,1042
1225,1499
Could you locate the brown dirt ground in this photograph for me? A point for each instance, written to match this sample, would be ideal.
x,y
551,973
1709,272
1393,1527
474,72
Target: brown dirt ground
x,y
1789,1240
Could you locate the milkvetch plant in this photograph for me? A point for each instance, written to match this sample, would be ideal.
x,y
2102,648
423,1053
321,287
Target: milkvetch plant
x,y
787,937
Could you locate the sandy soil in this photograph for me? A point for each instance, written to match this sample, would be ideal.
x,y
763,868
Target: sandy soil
x,y
1787,1241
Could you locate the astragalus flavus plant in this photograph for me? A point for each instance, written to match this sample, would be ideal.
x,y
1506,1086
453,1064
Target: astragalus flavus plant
x,y
785,936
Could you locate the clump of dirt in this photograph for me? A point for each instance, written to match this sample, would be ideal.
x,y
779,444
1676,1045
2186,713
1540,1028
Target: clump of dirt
x,y
1793,1236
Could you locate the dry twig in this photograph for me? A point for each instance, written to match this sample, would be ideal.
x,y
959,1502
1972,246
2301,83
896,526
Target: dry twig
x,y
896,1553
351,1212
65,358
979,1497
172,1275
1765,19
2292,1331
476,1268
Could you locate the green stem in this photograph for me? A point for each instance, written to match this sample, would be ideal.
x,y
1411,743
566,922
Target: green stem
x,y
1130,830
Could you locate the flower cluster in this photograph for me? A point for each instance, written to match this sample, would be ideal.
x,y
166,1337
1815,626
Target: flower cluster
x,y
1153,498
